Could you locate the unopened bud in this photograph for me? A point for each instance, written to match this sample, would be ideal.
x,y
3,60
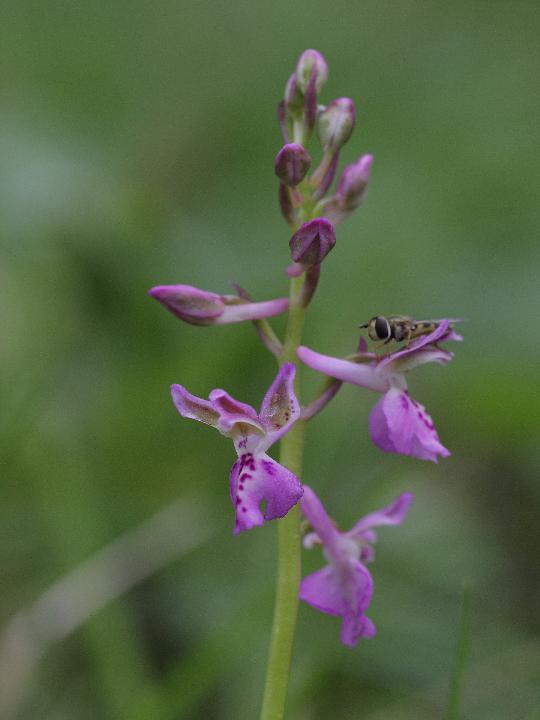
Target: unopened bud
x,y
293,97
200,307
311,61
292,163
312,242
352,184
335,124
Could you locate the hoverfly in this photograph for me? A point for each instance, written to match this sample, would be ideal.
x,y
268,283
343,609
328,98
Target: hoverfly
x,y
401,327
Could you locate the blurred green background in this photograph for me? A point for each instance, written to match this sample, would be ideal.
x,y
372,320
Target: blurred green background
x,y
137,145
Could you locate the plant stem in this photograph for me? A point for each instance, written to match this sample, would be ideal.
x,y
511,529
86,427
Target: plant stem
x,y
462,654
289,560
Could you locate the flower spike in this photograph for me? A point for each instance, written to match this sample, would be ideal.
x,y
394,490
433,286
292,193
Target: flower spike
x,y
345,587
255,477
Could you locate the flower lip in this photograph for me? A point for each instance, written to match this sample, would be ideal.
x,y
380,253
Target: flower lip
x,y
399,424
254,478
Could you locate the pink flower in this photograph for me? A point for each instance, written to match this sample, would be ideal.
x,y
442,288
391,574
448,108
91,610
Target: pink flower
x,y
397,422
255,477
344,587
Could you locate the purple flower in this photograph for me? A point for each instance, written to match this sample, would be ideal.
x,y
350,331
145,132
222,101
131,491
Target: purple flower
x,y
344,587
397,423
200,307
254,477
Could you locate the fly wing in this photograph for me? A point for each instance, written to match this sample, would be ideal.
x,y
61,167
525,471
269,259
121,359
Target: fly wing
x,y
451,321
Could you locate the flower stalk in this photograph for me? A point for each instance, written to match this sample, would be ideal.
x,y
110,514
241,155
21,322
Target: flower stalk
x,y
289,545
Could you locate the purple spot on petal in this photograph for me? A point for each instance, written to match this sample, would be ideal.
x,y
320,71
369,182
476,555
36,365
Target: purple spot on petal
x,y
269,467
244,509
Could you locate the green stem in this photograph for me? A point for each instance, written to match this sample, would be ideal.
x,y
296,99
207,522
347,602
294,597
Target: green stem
x,y
462,654
289,560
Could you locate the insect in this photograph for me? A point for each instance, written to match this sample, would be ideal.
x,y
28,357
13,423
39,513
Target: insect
x,y
400,327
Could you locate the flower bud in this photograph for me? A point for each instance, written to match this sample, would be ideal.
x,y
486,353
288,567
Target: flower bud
x,y
328,177
335,124
293,97
312,242
292,163
199,307
352,184
311,61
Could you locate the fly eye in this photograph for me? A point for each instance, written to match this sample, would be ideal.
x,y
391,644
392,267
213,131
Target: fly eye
x,y
382,328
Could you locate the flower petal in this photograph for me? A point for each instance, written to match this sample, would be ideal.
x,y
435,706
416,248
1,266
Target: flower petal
x,y
423,341
354,627
280,408
239,311
421,357
344,590
399,424
321,523
363,374
389,422
258,478
191,406
237,420
321,590
392,514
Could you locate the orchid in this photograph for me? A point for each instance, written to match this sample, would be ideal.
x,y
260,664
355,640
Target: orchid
x,y
254,477
344,587
397,422
262,488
